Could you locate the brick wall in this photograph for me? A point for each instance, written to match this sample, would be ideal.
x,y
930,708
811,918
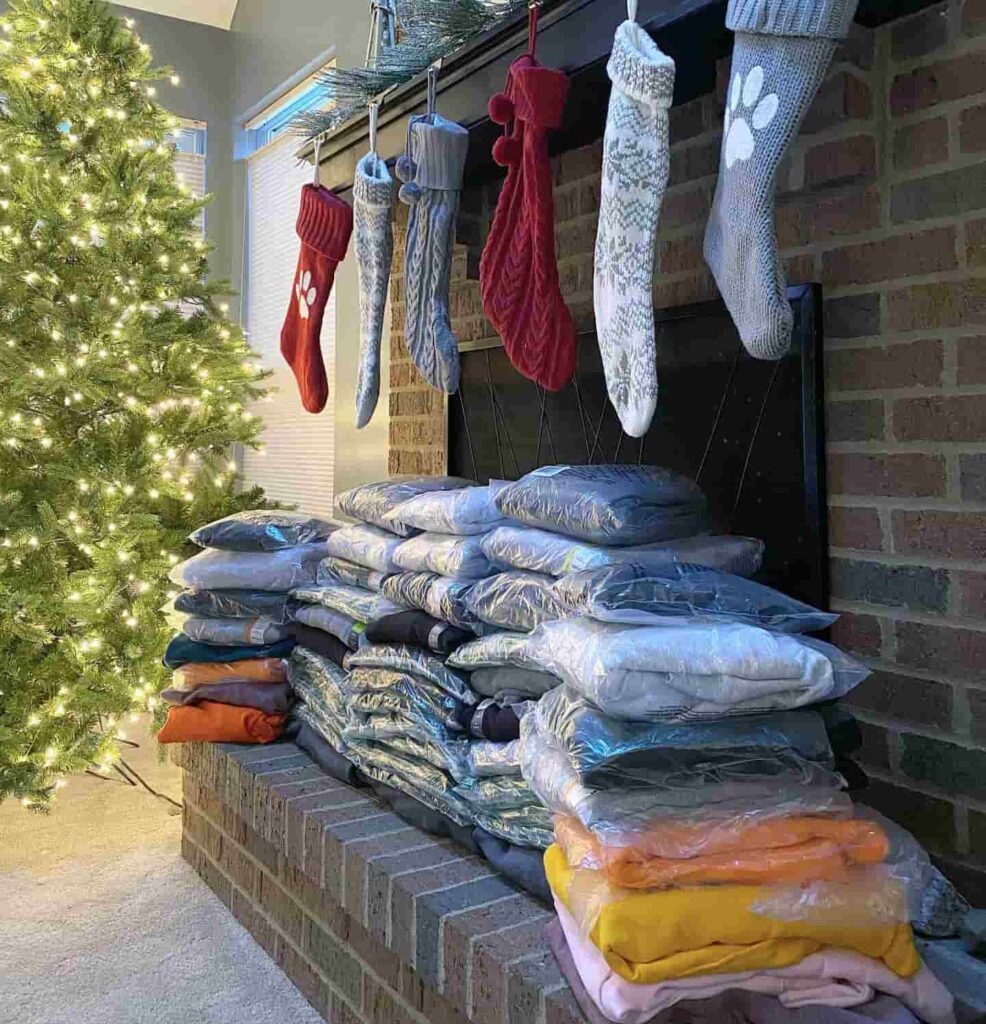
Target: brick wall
x,y
883,200
374,921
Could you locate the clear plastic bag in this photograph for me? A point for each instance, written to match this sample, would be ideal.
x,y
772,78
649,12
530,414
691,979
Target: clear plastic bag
x,y
518,547
262,530
387,718
383,691
501,792
488,759
235,604
604,504
466,511
641,595
437,595
338,570
371,503
228,632
449,757
324,726
342,627
278,571
675,673
509,685
525,826
516,600
320,683
416,662
357,603
461,558
369,546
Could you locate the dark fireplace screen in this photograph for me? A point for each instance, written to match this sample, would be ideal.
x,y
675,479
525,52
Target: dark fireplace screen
x,y
749,432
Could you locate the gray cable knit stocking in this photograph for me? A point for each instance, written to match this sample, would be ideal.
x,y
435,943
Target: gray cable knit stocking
x,y
372,195
432,169
780,55
635,174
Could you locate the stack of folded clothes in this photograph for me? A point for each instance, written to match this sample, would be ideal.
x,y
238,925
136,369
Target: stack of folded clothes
x,y
230,680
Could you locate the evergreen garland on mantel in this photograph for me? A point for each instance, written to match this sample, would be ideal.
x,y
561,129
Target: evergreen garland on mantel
x,y
428,29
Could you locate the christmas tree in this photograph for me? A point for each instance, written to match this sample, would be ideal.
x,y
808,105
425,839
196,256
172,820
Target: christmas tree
x,y
123,386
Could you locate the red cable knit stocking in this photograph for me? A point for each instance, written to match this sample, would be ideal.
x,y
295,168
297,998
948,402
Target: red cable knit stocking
x,y
324,225
518,272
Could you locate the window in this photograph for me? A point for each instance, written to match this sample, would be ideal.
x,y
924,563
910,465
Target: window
x,y
189,160
297,465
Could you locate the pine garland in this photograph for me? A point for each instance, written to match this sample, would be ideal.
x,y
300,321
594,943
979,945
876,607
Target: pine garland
x,y
430,29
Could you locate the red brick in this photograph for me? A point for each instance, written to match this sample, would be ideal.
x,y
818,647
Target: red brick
x,y
855,421
857,528
921,144
930,819
972,593
686,120
974,17
680,254
953,418
808,217
897,256
920,34
678,293
942,649
904,698
972,129
857,48
685,206
948,192
840,160
914,364
975,242
943,304
842,97
971,355
692,161
943,534
910,475
940,82
858,633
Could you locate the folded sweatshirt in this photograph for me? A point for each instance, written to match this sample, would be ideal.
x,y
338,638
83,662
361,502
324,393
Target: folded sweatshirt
x,y
210,722
272,698
257,670
182,651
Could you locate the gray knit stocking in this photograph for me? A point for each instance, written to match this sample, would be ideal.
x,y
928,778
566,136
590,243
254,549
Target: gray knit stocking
x,y
780,55
372,194
635,173
432,170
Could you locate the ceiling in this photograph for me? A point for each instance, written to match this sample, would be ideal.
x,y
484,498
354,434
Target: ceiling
x,y
207,12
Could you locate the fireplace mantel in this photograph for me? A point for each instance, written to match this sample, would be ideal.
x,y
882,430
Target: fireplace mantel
x,y
574,35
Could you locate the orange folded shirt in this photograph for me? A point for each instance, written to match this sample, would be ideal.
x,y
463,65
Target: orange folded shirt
x,y
209,721
255,670
788,850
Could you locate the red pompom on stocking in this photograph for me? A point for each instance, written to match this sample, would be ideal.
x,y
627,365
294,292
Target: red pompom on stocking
x,y
324,225
518,273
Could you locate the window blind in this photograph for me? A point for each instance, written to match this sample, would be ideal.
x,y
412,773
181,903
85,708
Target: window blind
x,y
297,464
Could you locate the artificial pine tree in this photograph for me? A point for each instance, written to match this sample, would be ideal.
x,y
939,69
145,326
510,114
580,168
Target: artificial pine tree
x,y
123,387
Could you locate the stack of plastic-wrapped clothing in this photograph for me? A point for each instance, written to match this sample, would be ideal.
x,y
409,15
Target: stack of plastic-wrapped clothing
x,y
229,664
706,849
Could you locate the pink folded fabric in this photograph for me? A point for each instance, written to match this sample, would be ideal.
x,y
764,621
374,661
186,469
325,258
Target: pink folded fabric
x,y
835,977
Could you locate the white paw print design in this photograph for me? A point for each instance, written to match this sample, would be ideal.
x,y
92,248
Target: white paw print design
x,y
306,293
740,142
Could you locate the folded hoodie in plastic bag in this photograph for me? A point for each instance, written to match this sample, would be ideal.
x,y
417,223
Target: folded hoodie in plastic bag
x,y
516,600
461,558
500,792
380,691
338,570
439,596
229,632
518,547
342,627
449,757
642,595
235,604
675,673
369,546
522,826
371,503
330,729
320,683
507,684
465,511
488,759
262,530
416,662
279,571
357,603
615,505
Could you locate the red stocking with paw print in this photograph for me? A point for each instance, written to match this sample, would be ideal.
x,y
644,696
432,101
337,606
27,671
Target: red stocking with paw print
x,y
324,225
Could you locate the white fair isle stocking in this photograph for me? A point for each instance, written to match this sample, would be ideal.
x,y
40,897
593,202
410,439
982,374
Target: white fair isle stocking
x,y
635,174
372,194
780,55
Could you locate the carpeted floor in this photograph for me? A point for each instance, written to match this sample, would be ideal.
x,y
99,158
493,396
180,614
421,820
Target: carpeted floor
x,y
102,922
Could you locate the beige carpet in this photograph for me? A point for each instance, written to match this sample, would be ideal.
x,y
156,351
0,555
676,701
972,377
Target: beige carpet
x,y
102,922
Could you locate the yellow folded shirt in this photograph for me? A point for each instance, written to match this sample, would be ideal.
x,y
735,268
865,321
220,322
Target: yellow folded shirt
x,y
655,935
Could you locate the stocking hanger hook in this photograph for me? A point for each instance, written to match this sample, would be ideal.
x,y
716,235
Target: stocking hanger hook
x,y
374,114
433,84
318,152
631,10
